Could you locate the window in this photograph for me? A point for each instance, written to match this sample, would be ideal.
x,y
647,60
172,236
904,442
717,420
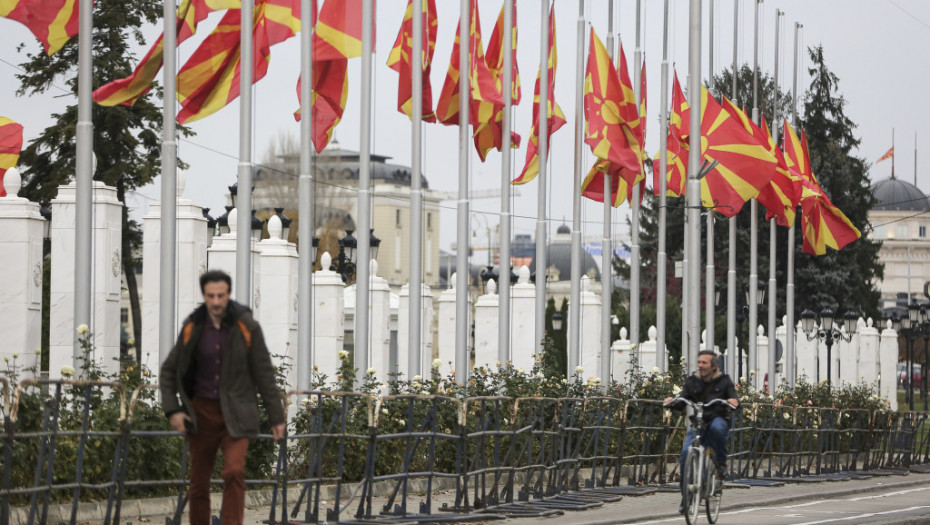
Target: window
x,y
124,315
397,218
922,231
880,232
429,220
901,232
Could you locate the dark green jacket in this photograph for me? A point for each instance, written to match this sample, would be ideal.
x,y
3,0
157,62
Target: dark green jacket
x,y
245,370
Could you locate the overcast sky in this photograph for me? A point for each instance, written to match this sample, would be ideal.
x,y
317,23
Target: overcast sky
x,y
873,46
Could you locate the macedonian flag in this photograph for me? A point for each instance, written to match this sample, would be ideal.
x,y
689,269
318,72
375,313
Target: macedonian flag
x,y
53,22
11,142
399,59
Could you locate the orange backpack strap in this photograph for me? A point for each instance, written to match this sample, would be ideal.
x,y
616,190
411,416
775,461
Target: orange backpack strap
x,y
246,334
188,330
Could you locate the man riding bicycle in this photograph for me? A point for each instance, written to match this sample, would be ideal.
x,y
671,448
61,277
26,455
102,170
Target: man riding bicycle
x,y
705,385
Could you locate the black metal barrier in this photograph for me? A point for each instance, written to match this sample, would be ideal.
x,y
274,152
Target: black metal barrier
x,y
351,457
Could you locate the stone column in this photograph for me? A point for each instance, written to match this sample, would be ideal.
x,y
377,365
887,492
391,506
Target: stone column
x,y
486,328
869,362
106,286
222,256
426,326
523,320
888,365
647,353
328,319
762,343
846,357
21,234
379,318
191,262
278,278
806,352
446,325
622,357
590,327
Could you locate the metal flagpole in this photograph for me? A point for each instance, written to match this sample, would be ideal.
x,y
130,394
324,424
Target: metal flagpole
x,y
694,185
243,282
169,184
305,357
773,292
503,328
754,220
606,244
791,343
415,348
635,284
461,256
363,259
709,295
574,312
541,209
661,260
84,175
732,348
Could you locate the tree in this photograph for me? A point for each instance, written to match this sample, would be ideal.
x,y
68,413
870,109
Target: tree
x,y
840,280
127,140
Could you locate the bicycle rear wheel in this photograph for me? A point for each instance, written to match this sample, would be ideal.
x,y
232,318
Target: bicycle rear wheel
x,y
714,491
691,486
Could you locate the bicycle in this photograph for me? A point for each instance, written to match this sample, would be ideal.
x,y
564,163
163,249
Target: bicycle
x,y
699,476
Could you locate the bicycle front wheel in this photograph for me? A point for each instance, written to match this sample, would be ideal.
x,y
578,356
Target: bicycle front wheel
x,y
691,486
714,491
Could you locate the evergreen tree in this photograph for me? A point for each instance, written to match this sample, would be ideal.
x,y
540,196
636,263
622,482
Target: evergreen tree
x,y
127,140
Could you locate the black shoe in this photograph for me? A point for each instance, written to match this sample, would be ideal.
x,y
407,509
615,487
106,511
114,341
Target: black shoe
x,y
722,472
681,507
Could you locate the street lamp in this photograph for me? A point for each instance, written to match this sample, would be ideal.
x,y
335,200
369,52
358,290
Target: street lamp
x,y
345,262
285,223
211,225
911,326
256,227
222,222
557,320
741,316
828,332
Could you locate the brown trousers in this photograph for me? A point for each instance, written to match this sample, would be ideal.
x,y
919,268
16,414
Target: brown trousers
x,y
211,435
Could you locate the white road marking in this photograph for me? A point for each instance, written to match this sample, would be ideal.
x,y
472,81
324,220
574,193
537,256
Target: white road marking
x,y
865,515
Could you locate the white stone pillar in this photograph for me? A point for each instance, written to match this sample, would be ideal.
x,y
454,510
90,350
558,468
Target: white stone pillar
x,y
806,352
523,320
21,231
888,365
762,343
869,362
622,357
446,326
590,327
328,319
222,256
486,328
192,244
426,336
380,312
846,356
106,285
278,278
647,352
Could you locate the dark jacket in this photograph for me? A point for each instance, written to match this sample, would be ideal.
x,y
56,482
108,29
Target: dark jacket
x,y
719,387
245,370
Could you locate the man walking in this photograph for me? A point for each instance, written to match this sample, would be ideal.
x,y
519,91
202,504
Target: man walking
x,y
208,388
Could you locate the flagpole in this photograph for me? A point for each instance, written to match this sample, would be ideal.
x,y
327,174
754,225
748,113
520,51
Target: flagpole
x,y
461,255
754,220
790,360
363,258
169,183
542,218
733,352
709,294
635,284
773,255
892,155
243,282
84,176
503,328
305,357
574,312
661,259
415,304
694,186
606,244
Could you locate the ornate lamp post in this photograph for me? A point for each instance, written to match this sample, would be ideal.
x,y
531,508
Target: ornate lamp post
x,y
345,262
912,326
828,331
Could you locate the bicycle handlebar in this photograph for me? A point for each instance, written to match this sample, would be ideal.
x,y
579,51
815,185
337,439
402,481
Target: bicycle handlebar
x,y
693,404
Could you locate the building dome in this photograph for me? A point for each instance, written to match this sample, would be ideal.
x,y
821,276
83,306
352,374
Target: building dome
x,y
893,194
559,260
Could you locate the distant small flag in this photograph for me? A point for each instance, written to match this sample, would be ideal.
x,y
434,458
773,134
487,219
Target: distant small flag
x,y
886,156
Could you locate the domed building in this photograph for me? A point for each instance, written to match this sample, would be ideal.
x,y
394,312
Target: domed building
x,y
900,220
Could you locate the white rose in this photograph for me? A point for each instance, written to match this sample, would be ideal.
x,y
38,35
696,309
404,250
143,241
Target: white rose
x,y
417,379
655,370
579,369
520,371
539,375
82,329
67,371
437,363
372,371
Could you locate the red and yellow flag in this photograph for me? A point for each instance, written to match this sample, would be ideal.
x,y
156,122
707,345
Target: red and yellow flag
x,y
490,129
53,22
399,59
556,119
338,32
11,143
614,130
127,90
822,223
495,55
889,154
210,78
677,159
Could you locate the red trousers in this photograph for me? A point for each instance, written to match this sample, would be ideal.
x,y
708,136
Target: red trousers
x,y
211,435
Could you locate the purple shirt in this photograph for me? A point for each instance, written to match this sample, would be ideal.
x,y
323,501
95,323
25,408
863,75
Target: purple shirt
x,y
207,360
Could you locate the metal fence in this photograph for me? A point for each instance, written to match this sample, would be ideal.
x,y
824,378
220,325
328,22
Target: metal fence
x,y
353,457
